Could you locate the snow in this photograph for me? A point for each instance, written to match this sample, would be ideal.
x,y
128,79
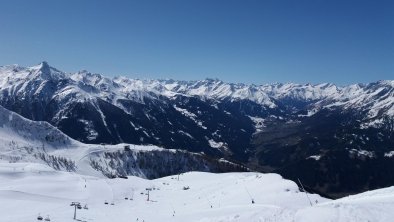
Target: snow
x,y
27,190
310,113
314,157
28,186
366,153
258,123
89,127
215,144
190,115
186,134
376,206
185,112
30,189
377,99
389,154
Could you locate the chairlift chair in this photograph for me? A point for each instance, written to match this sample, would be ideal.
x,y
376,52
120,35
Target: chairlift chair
x,y
39,217
86,207
47,219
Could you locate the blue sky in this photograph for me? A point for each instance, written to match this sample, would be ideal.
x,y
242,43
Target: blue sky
x,y
259,41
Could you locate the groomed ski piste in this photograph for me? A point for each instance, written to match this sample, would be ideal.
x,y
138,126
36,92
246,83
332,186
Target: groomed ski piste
x,y
28,190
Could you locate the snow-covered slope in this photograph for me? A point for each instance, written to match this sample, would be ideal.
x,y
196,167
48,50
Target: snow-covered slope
x,y
27,190
24,140
13,127
376,205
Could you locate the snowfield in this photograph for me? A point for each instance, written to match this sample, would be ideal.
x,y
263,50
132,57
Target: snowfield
x,y
30,189
371,206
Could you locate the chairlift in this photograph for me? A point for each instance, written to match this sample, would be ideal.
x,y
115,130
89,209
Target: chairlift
x,y
106,202
86,207
47,218
126,198
112,203
39,217
79,206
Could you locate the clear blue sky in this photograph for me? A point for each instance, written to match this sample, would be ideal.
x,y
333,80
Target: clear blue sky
x,y
261,41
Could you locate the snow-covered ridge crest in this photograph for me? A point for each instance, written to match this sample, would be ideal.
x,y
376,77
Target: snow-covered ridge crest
x,y
36,132
135,88
374,98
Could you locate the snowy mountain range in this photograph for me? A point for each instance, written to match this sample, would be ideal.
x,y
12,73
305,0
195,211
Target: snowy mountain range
x,y
320,133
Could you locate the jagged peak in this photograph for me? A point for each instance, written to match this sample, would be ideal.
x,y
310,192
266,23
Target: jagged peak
x,y
44,71
44,64
41,66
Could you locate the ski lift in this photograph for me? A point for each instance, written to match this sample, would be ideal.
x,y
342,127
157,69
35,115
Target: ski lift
x,y
39,217
112,203
79,206
47,218
106,202
126,198
86,207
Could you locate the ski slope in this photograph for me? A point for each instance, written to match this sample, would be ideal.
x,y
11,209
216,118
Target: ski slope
x,y
30,189
371,206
